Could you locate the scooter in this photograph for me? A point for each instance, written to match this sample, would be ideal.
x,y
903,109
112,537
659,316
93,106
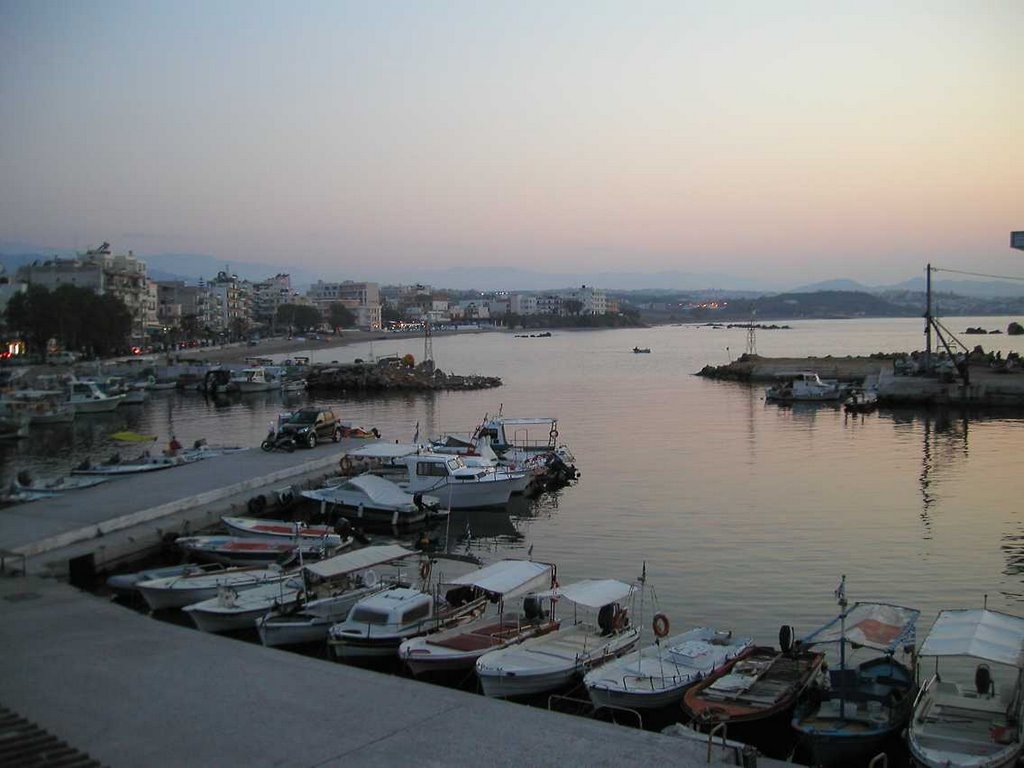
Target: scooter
x,y
278,440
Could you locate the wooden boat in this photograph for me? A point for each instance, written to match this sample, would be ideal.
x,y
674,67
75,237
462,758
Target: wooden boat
x,y
239,550
657,676
553,660
250,527
331,587
755,695
115,465
457,649
861,401
977,722
126,584
865,707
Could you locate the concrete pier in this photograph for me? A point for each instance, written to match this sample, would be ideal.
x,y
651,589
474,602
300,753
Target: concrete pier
x,y
131,690
128,515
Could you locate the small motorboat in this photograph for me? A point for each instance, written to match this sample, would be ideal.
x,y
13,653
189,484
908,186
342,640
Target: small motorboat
x,y
861,401
331,587
458,648
187,588
24,482
805,386
641,350
126,584
553,660
234,611
865,705
239,550
372,498
960,722
251,527
658,675
115,465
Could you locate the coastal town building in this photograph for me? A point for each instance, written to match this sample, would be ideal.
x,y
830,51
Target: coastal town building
x,y
363,299
102,271
268,295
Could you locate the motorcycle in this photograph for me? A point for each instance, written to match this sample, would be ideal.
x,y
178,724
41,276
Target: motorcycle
x,y
278,440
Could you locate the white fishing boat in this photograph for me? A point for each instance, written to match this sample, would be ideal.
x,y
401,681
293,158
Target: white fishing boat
x,y
185,589
959,722
43,406
373,498
804,386
232,610
116,465
280,530
416,470
126,584
377,625
458,648
331,587
57,485
87,397
241,550
256,379
658,675
549,662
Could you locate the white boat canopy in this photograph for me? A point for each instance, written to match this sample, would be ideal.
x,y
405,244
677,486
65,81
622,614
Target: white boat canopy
x,y
509,578
380,490
593,593
983,634
881,626
355,561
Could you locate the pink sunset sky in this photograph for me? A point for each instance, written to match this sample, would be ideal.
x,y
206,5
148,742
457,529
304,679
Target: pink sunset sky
x,y
805,140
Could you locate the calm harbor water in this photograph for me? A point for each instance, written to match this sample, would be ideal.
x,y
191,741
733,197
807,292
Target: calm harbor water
x,y
745,513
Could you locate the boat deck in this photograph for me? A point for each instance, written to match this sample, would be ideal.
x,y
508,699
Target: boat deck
x,y
955,721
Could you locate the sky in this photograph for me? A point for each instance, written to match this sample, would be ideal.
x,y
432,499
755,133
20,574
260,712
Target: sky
x,y
797,140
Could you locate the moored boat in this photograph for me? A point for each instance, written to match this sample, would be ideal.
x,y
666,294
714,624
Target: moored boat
x,y
231,610
804,386
658,675
241,550
553,660
958,722
258,528
372,498
458,648
185,589
864,707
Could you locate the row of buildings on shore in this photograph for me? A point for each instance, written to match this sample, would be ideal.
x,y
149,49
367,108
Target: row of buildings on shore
x,y
229,305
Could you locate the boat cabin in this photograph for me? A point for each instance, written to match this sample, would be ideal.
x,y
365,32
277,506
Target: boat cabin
x,y
536,434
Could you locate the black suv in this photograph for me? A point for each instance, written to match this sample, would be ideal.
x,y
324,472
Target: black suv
x,y
310,425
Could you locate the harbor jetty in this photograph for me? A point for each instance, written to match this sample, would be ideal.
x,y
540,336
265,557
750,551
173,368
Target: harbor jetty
x,y
390,375
977,380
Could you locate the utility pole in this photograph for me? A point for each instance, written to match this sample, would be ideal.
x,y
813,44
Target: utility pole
x,y
928,320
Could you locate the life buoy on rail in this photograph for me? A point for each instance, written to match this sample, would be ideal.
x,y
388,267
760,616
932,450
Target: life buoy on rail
x,y
370,579
425,569
660,625
345,464
553,434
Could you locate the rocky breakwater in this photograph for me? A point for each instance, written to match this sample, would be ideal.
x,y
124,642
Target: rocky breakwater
x,y
387,376
756,368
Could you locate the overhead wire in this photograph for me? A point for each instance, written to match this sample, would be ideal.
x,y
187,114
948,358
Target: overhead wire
x,y
976,274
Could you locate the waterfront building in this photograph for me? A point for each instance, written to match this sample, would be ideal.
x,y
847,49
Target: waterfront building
x,y
363,299
268,295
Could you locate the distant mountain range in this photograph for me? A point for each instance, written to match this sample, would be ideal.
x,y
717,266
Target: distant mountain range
x,y
191,267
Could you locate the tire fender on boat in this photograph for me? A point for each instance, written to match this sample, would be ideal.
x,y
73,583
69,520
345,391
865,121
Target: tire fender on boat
x,y
345,464
660,625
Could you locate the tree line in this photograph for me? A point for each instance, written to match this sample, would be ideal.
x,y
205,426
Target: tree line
x,y
77,318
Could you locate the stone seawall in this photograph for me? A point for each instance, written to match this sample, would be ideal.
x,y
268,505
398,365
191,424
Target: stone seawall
x,y
369,377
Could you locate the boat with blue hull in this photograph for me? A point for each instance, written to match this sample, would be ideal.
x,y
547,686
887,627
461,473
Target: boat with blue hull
x,y
865,707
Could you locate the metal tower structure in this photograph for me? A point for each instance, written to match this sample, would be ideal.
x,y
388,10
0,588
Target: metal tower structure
x,y
428,346
752,336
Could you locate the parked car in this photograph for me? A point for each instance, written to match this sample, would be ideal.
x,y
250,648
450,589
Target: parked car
x,y
311,424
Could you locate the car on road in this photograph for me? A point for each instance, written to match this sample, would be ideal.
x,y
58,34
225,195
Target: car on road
x,y
311,424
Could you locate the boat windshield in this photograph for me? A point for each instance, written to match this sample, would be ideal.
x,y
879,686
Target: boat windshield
x,y
364,615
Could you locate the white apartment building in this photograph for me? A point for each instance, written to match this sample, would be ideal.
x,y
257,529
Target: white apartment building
x,y
363,299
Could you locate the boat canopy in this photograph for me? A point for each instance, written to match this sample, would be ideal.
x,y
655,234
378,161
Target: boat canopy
x,y
983,634
521,422
881,626
593,593
509,578
380,490
355,561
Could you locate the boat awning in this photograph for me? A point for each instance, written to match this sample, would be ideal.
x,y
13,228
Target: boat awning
x,y
385,450
983,634
593,593
881,626
522,422
355,561
509,578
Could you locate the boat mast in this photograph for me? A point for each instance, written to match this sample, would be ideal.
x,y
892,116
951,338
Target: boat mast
x,y
928,319
841,599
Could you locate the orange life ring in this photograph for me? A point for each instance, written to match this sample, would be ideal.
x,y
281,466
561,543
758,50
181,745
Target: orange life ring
x,y
424,569
660,625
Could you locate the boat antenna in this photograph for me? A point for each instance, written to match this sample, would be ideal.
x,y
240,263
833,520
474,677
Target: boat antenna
x,y
840,594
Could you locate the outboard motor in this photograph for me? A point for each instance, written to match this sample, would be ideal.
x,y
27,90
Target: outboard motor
x,y
983,680
533,607
606,618
786,634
